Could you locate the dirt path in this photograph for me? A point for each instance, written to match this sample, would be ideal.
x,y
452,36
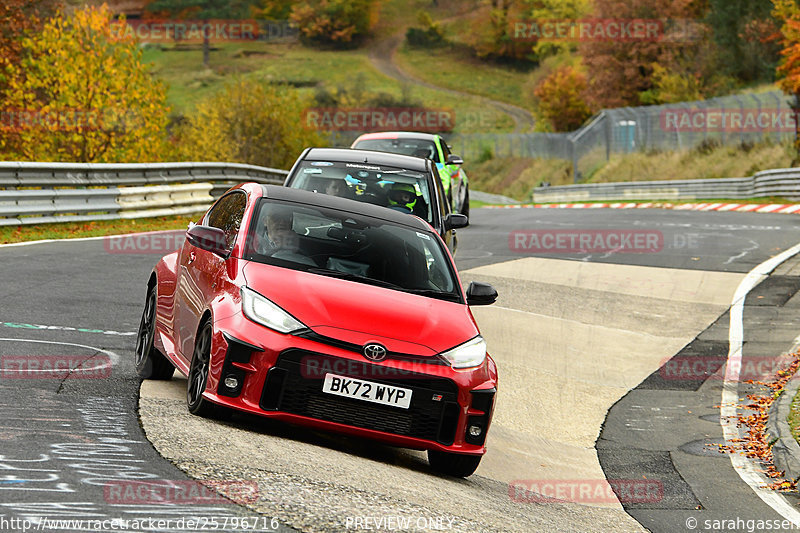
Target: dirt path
x,y
382,58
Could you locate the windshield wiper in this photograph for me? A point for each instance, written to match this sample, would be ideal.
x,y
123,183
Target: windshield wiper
x,y
449,296
442,295
354,277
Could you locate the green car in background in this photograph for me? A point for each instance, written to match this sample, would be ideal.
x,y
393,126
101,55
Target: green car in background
x,y
430,146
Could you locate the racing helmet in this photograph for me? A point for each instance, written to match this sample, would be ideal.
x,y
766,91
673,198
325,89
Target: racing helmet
x,y
402,197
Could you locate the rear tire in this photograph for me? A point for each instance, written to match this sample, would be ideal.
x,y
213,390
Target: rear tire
x,y
198,377
150,363
454,464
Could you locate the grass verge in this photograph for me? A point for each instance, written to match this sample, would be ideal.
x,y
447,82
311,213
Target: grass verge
x,y
516,177
455,68
700,163
75,230
305,69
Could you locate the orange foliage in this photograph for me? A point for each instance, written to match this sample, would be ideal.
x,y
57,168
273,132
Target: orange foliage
x,y
561,101
789,69
18,17
619,70
335,22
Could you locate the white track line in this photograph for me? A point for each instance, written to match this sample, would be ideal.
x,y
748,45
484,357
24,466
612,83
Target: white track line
x,y
115,359
730,397
84,239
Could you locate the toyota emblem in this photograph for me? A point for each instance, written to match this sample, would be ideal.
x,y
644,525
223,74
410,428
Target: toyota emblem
x,y
374,352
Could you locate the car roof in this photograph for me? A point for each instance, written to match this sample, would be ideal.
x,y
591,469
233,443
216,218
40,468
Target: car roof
x,y
398,135
279,192
367,156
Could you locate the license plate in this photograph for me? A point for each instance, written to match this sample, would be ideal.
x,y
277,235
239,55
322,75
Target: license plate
x,y
368,391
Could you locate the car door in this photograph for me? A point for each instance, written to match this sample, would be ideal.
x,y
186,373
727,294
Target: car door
x,y
202,273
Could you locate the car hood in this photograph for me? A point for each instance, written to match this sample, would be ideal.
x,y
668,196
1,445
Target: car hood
x,y
358,313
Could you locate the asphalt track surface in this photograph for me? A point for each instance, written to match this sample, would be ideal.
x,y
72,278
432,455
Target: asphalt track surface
x,y
66,441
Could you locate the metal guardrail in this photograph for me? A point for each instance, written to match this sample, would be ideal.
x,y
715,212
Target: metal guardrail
x,y
37,193
783,183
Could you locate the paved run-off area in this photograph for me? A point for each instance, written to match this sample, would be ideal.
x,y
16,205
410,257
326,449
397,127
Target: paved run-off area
x,y
570,339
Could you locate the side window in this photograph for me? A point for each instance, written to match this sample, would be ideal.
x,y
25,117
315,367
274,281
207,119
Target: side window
x,y
227,215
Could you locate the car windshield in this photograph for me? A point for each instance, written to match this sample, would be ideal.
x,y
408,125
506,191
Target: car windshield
x,y
357,248
374,184
413,147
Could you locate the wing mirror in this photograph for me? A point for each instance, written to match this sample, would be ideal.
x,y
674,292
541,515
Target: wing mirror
x,y
453,159
455,221
208,238
481,294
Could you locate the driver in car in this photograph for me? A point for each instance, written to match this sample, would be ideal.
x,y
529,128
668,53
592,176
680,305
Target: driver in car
x,y
336,187
402,197
282,242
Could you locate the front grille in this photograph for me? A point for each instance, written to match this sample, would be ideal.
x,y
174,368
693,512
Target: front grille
x,y
294,387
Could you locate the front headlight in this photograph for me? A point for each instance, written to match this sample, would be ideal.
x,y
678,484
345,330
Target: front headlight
x,y
471,353
260,310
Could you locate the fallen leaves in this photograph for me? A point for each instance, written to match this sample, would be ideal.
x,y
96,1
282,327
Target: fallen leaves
x,y
756,445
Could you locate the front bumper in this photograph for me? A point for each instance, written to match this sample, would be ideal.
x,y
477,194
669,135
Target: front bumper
x,y
280,376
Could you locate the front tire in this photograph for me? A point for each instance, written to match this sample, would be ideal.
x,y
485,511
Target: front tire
x,y
150,363
465,205
454,464
198,375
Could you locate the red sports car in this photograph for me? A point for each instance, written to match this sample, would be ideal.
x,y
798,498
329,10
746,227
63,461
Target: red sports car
x,y
327,312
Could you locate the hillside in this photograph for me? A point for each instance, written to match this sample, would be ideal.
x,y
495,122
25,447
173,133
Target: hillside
x,y
461,56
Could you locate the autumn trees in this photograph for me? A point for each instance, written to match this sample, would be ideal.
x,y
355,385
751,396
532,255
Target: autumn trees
x,y
333,23
247,122
78,91
744,32
699,49
18,18
788,13
561,101
75,88
204,11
